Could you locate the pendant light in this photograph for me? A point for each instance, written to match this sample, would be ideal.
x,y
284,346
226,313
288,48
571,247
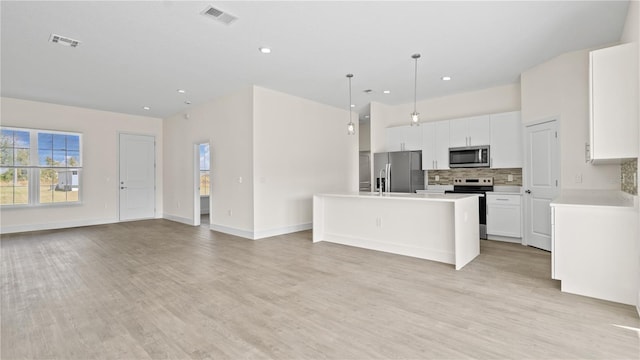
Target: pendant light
x,y
414,115
351,127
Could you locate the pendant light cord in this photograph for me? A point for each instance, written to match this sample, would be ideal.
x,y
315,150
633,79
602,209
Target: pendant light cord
x,y
415,82
350,98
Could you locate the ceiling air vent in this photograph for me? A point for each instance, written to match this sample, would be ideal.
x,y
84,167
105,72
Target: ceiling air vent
x,y
219,15
63,40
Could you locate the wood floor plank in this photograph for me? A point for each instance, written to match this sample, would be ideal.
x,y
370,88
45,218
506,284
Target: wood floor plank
x,y
158,289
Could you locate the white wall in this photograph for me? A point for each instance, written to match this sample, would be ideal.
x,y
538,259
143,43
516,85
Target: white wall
x,y
486,101
381,116
559,88
301,148
283,147
493,100
100,131
226,123
631,33
364,135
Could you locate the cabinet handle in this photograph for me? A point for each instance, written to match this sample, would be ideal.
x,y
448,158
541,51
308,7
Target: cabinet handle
x,y
587,152
502,199
436,164
433,164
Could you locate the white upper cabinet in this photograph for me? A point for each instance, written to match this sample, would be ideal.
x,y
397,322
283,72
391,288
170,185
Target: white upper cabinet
x,y
506,140
471,131
403,138
613,90
435,145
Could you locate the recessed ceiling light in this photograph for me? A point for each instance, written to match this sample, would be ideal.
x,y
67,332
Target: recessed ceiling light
x,y
387,92
446,78
353,105
146,108
181,91
264,50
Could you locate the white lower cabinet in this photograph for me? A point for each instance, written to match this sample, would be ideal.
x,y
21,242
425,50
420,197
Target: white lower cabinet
x,y
504,217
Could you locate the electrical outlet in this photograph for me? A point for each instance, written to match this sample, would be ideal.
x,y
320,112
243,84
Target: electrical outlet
x,y
437,177
240,180
578,179
229,212
509,177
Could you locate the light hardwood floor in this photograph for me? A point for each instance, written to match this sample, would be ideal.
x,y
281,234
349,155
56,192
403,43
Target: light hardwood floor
x,y
159,289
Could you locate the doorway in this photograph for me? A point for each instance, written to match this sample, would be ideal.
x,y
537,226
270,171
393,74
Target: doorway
x,y
202,185
541,181
137,177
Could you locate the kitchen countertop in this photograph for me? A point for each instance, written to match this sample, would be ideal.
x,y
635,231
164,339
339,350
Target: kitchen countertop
x,y
497,190
608,198
439,187
506,190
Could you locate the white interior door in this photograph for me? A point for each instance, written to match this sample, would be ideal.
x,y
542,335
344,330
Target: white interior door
x,y
137,177
541,182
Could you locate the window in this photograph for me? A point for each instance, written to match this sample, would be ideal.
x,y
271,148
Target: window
x,y
39,167
14,157
204,170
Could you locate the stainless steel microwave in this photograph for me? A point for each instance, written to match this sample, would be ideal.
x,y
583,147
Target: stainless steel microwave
x,y
469,157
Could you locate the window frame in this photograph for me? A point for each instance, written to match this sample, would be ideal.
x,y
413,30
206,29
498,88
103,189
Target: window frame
x,y
34,169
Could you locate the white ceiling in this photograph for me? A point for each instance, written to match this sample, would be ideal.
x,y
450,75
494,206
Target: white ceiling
x,y
136,54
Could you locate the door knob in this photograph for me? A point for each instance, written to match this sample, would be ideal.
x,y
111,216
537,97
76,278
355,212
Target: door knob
x,y
122,187
528,191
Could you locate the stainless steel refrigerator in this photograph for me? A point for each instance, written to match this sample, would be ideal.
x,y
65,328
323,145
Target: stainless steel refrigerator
x,y
406,174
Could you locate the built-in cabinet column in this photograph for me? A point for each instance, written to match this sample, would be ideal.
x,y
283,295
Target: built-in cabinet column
x,y
506,140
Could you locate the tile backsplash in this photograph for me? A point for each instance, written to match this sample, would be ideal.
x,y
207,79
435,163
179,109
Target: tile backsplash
x,y
629,171
500,176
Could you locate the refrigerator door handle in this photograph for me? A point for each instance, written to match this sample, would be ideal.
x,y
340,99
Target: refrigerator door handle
x,y
388,182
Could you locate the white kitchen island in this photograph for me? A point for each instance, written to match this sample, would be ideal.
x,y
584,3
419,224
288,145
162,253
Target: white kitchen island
x,y
439,227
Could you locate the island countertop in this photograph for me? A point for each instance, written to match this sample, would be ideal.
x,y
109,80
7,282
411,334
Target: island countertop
x,y
404,196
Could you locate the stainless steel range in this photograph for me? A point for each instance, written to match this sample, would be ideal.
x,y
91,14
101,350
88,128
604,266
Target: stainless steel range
x,y
478,186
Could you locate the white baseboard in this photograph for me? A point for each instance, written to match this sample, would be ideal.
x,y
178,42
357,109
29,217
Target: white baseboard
x,y
54,226
399,249
504,238
260,234
179,219
232,231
